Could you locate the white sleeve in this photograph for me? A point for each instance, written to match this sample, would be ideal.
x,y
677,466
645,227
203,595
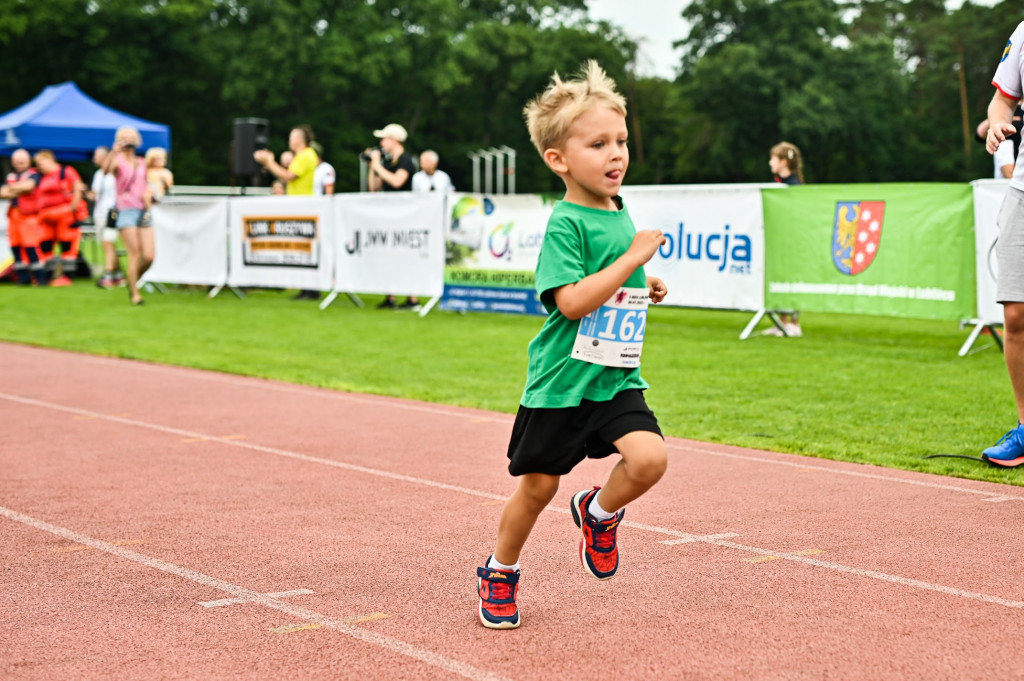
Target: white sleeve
x,y
1008,74
1003,157
419,183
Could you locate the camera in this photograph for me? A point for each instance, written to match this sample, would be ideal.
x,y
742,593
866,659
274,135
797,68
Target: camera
x,y
365,155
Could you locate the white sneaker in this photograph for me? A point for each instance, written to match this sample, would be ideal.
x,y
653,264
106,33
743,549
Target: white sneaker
x,y
793,330
772,331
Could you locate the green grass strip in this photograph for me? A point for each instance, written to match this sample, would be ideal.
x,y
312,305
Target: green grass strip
x,y
863,389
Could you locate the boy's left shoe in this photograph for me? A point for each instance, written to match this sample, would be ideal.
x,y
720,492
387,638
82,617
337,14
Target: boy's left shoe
x,y
498,590
599,551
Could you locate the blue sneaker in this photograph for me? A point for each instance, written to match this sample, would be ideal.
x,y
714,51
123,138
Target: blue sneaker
x,y
498,590
1009,451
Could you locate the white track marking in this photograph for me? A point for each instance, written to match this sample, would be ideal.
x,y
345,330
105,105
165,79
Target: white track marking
x,y
238,601
250,382
267,600
686,537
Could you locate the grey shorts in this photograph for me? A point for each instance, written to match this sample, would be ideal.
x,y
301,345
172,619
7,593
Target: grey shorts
x,y
1010,248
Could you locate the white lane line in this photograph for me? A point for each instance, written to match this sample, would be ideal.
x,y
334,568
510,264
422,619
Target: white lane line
x,y
238,601
249,382
810,467
303,614
688,537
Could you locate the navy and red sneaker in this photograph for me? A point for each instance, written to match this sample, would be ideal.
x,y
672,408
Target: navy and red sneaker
x,y
498,590
599,552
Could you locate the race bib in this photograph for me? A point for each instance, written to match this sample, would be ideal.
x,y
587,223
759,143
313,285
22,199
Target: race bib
x,y
613,334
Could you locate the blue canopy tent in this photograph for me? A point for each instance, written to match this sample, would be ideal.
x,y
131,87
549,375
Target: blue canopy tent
x,y
68,122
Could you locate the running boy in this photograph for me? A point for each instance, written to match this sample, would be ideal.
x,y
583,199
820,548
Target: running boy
x,y
584,394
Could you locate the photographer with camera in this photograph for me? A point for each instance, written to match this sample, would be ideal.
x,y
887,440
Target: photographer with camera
x,y
299,173
390,170
133,199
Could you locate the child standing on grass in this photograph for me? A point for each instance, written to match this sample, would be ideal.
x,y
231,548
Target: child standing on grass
x,y
584,394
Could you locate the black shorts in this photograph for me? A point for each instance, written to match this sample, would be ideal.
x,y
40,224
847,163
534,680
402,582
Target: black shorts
x,y
553,441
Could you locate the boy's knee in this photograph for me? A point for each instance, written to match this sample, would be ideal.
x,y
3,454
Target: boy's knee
x,y
648,464
1013,318
539,489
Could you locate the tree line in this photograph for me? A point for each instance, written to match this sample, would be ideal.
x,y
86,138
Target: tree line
x,y
870,90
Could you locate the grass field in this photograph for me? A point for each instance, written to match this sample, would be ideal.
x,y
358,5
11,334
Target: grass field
x,y
864,389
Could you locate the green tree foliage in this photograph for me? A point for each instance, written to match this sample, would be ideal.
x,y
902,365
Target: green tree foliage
x,y
871,90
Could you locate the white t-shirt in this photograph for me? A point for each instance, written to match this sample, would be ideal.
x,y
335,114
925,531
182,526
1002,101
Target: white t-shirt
x,y
322,176
104,186
438,182
1003,157
1009,77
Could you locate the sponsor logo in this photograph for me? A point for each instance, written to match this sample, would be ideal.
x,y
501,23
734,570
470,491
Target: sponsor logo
x,y
620,296
728,251
398,239
856,235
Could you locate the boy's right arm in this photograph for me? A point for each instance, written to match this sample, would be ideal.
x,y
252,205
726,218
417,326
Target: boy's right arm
x,y
1000,121
577,300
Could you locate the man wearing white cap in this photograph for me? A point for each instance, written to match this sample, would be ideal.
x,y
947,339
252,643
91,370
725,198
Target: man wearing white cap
x,y
391,168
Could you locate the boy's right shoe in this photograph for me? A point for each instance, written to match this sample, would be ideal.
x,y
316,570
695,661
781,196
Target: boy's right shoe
x,y
1009,451
498,590
599,551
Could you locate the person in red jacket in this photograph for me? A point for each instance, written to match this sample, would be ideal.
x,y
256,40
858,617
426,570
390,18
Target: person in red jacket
x,y
22,228
61,212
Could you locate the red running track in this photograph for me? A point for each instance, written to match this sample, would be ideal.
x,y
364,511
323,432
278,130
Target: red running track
x,y
167,523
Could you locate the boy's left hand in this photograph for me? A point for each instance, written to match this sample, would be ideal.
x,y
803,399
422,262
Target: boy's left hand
x,y
658,289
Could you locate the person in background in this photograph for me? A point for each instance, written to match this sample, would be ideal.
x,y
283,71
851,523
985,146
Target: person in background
x,y
287,156
1009,83
158,178
324,175
22,227
133,200
298,174
390,170
786,165
430,178
103,194
62,209
277,188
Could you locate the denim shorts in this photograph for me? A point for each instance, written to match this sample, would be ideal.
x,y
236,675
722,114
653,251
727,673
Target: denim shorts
x,y
129,217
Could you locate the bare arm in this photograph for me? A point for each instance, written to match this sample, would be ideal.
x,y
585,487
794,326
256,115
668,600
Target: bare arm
x,y
576,301
395,179
266,159
1000,121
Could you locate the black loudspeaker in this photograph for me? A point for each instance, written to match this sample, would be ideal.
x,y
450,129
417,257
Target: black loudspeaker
x,y
250,135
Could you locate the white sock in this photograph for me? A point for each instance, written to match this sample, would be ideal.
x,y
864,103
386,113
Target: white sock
x,y
492,563
595,509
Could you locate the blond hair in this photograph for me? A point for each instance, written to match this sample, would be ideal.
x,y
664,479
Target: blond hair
x,y
550,114
153,152
128,134
790,153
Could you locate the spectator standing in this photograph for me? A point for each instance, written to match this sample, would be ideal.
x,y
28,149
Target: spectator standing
x,y
787,166
324,176
277,188
1009,83
22,225
158,178
390,170
133,200
103,194
430,178
298,174
62,210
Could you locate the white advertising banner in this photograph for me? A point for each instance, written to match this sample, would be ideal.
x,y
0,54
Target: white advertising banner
x,y
191,238
390,243
281,242
714,253
988,198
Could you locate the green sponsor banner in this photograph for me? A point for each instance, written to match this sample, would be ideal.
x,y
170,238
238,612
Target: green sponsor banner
x,y
468,276
903,250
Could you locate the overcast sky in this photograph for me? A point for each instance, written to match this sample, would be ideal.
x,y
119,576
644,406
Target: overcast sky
x,y
656,24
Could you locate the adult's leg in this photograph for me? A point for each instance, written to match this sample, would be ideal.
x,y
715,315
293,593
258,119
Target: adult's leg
x,y
132,247
1013,347
147,249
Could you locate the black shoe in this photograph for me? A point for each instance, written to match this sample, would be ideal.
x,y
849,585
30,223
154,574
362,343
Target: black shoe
x,y
386,304
409,305
307,295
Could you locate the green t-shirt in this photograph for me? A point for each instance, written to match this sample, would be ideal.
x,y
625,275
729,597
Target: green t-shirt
x,y
579,241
